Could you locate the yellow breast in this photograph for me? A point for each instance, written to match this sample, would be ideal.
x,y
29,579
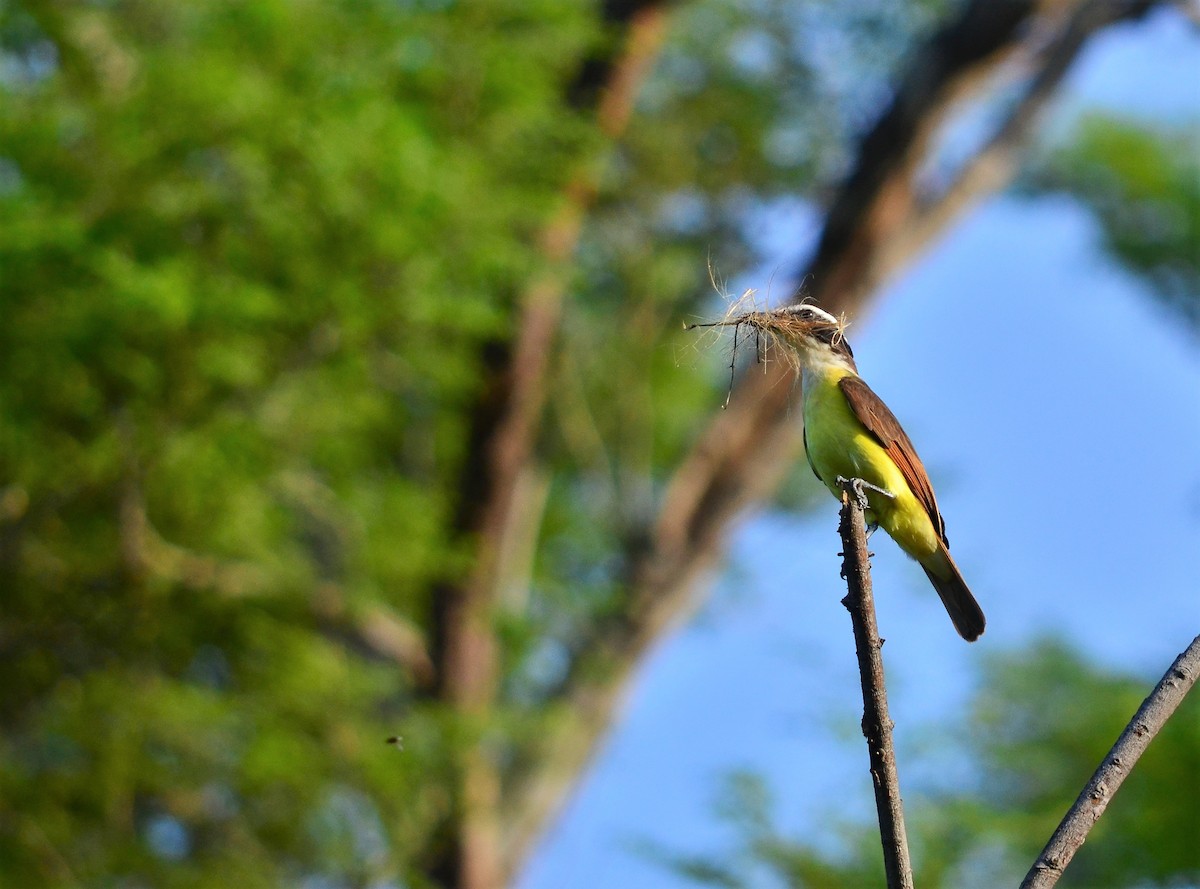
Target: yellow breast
x,y
840,445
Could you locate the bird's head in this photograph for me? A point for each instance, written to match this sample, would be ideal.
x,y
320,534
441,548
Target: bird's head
x,y
817,337
806,336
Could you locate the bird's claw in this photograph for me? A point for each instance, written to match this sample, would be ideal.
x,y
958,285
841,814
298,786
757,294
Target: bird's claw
x,y
854,487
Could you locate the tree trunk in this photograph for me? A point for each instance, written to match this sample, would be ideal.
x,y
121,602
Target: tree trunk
x,y
500,452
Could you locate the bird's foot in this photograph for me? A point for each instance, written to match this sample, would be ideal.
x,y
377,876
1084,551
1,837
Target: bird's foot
x,y
854,487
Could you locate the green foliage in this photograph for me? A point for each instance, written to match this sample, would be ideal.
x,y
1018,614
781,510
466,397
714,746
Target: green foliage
x,y
1144,187
251,255
1042,722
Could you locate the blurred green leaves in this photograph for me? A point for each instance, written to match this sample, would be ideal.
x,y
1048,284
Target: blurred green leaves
x,y
1143,185
250,255
1042,721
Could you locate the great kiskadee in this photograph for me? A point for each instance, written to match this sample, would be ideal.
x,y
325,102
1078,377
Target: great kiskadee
x,y
850,433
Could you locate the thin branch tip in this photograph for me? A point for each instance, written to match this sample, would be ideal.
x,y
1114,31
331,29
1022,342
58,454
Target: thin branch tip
x,y
1093,800
877,724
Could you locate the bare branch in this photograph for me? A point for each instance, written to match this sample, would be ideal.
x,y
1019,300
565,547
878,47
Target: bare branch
x,y
876,723
1104,784
1042,68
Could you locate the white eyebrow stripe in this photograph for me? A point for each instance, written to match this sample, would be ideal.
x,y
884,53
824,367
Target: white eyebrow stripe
x,y
800,308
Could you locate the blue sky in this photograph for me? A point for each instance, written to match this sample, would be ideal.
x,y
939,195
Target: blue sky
x,y
1073,513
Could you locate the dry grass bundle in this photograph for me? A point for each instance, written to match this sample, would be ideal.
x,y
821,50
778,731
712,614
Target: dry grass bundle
x,y
776,331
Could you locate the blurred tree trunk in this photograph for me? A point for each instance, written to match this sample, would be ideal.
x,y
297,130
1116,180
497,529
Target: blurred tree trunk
x,y
491,508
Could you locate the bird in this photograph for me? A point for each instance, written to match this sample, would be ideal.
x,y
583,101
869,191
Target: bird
x,y
850,433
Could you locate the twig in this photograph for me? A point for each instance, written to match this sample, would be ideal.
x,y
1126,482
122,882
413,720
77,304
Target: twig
x,y
876,723
1142,729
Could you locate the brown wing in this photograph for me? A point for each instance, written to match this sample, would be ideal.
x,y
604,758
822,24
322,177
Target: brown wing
x,y
883,425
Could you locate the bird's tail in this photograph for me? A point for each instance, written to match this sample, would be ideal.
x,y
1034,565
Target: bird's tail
x,y
964,611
